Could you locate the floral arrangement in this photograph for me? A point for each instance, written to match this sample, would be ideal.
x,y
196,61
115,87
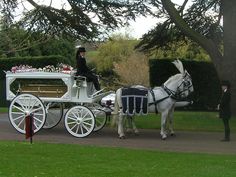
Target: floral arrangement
x,y
63,68
22,68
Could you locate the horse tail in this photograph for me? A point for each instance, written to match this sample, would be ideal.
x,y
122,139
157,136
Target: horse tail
x,y
116,110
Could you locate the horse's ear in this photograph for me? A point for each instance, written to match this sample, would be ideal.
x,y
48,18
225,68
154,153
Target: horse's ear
x,y
179,66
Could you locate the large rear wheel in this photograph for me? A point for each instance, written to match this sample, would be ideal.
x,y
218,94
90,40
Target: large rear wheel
x,y
24,105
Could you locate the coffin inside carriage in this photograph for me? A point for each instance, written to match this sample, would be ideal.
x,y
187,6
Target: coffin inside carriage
x,y
46,85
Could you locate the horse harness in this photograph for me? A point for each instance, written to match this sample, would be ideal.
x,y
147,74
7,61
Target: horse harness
x,y
171,93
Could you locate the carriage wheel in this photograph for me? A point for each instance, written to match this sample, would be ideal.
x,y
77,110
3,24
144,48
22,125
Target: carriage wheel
x,y
54,115
79,121
100,119
100,116
25,104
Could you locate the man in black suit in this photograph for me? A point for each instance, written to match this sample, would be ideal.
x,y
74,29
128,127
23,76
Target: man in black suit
x,y
83,70
224,108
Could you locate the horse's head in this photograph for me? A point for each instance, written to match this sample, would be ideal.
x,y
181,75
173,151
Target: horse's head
x,y
179,85
185,86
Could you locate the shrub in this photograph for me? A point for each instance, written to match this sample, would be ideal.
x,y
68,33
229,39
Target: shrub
x,y
134,70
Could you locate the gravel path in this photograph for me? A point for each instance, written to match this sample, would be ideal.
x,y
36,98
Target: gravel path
x,y
199,142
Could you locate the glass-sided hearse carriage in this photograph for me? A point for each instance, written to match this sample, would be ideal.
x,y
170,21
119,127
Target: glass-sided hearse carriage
x,y
43,96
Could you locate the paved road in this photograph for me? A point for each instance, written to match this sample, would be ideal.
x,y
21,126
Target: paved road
x,y
201,142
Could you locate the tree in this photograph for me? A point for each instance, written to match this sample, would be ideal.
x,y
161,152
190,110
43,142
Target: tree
x,y
116,49
200,23
83,20
16,42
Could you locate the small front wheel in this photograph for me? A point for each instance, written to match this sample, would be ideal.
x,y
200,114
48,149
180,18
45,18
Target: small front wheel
x,y
79,121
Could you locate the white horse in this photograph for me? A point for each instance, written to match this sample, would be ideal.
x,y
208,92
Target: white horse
x,y
161,99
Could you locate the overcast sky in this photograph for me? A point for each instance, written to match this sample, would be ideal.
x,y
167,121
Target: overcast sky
x,y
136,29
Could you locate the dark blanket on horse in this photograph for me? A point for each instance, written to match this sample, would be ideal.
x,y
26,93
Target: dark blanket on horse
x,y
134,101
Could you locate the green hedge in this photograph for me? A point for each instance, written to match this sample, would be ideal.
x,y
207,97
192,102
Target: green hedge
x,y
204,76
37,62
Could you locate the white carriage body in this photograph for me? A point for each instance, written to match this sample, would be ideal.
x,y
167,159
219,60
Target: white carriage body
x,y
76,91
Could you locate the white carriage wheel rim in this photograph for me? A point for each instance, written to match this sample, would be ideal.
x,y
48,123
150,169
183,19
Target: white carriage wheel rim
x,y
18,122
79,121
100,122
50,124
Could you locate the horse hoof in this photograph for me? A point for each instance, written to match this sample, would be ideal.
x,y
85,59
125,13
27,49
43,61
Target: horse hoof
x,y
122,137
163,137
136,134
173,134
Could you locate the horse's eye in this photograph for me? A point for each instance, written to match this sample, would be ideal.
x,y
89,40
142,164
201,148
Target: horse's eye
x,y
186,83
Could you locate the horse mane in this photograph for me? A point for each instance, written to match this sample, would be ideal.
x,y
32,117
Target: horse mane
x,y
179,66
175,77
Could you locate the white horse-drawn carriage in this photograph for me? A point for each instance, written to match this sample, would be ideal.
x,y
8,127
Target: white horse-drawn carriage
x,y
42,96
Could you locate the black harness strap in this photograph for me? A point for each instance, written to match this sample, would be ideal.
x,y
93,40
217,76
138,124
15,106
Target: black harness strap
x,y
157,101
154,101
171,93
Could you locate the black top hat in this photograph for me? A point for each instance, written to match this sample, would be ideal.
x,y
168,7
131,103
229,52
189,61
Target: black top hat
x,y
225,83
81,49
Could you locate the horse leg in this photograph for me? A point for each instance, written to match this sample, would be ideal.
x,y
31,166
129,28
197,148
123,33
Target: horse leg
x,y
121,127
171,113
129,124
163,124
133,126
136,132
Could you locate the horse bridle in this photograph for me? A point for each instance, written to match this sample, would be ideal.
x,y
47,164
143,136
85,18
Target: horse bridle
x,y
177,94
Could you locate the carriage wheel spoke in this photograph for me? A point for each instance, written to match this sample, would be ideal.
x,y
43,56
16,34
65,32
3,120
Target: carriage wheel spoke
x,y
18,108
22,105
73,126
99,121
19,117
85,127
86,119
69,123
72,118
85,115
18,113
86,123
37,109
33,105
35,118
77,129
36,125
81,128
20,122
74,114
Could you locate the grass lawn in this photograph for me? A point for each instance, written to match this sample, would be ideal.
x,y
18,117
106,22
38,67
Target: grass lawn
x,y
3,110
22,159
189,121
